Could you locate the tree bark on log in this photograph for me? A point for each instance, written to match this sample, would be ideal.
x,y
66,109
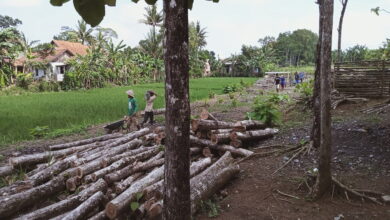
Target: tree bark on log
x,y
156,190
207,183
236,143
99,216
254,135
6,170
206,115
123,162
11,204
65,205
251,125
121,186
117,205
86,207
199,125
131,169
224,148
38,168
221,138
96,164
158,111
85,141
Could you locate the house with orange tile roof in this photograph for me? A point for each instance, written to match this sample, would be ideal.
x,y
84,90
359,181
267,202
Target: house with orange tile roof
x,y
54,63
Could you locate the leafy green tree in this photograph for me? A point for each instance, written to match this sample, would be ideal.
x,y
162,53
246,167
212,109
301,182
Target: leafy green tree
x,y
82,33
7,21
355,53
296,48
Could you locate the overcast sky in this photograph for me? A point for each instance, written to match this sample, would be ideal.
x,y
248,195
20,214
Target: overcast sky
x,y
229,24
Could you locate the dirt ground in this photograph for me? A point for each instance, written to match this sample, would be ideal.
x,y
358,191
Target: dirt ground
x,y
360,159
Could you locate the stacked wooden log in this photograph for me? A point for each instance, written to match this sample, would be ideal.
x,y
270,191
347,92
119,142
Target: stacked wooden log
x,y
338,98
100,177
228,136
377,109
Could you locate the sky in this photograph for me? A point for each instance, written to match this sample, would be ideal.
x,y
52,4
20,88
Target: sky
x,y
229,23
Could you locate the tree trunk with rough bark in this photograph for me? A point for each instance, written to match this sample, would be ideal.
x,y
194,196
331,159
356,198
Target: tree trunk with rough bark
x,y
340,28
324,178
177,117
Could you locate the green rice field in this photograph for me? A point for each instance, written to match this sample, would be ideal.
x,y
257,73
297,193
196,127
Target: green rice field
x,y
74,109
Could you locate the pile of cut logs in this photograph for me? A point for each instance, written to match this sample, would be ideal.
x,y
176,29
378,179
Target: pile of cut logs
x,y
117,175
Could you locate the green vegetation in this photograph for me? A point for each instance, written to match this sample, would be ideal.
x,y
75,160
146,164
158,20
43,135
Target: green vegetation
x,y
73,110
265,109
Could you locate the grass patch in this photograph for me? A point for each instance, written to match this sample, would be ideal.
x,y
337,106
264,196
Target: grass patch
x,y
68,112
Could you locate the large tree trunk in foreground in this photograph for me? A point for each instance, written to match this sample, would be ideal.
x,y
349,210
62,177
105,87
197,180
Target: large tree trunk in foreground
x,y
67,204
177,117
14,203
340,28
86,207
121,202
324,178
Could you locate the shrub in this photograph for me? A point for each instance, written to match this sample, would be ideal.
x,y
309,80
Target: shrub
x,y
278,98
211,95
24,80
232,88
265,111
305,91
234,102
39,131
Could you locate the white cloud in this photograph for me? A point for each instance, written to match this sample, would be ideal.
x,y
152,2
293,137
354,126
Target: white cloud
x,y
20,3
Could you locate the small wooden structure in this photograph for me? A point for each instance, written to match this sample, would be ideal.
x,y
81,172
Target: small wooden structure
x,y
363,79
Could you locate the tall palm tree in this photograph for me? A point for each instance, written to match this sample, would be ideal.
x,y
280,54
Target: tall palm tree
x,y
82,32
152,17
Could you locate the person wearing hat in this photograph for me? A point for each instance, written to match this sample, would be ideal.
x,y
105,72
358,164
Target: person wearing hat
x,y
150,96
131,118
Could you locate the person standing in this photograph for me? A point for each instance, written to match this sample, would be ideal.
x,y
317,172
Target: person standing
x,y
150,96
131,118
296,77
301,76
277,82
283,82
